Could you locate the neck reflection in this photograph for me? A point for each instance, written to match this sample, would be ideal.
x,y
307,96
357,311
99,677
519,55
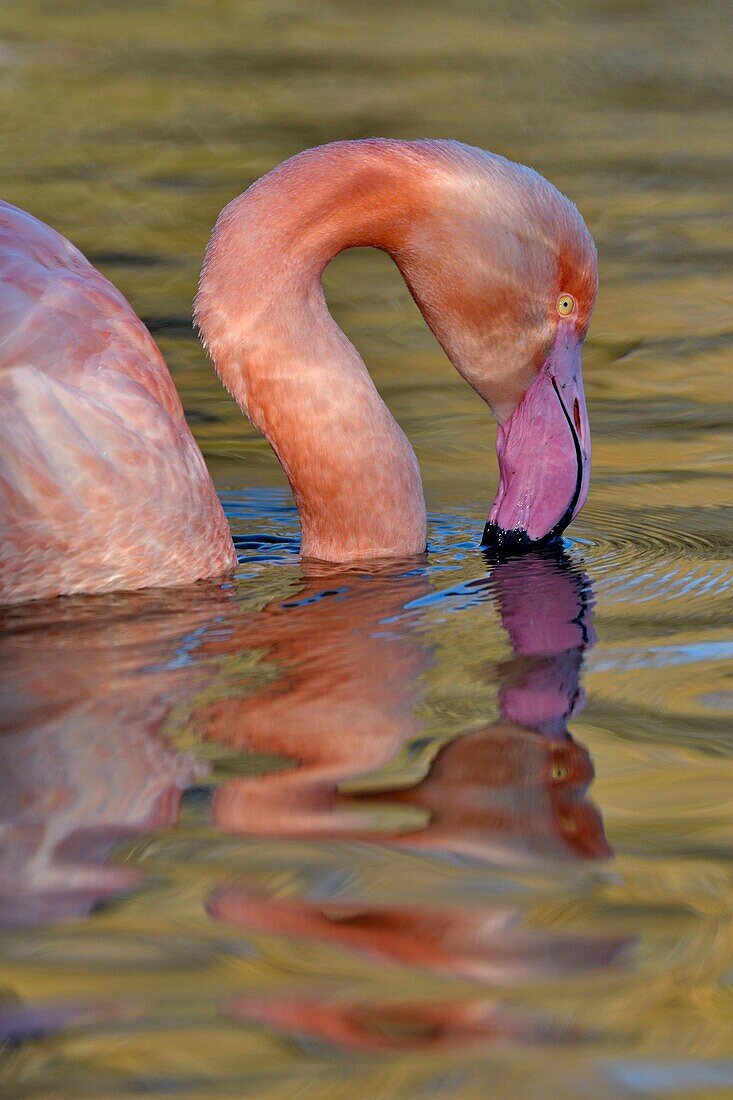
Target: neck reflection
x,y
351,663
510,794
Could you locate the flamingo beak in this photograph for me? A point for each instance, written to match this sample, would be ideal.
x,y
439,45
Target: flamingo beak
x,y
544,455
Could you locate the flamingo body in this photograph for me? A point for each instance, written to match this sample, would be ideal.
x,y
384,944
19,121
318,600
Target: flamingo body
x,y
102,485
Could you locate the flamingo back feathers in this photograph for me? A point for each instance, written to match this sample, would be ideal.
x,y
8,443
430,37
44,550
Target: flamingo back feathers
x,y
102,485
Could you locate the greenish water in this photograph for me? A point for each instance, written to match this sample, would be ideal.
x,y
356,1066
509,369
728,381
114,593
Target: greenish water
x,y
441,830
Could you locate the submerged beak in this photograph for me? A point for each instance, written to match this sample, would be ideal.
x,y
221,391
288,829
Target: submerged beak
x,y
544,455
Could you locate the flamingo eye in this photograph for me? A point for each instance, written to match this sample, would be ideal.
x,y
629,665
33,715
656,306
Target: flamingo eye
x,y
565,305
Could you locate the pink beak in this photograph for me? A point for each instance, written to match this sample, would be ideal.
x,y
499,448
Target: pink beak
x,y
544,455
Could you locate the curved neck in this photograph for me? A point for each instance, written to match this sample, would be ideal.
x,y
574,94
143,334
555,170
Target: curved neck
x,y
264,320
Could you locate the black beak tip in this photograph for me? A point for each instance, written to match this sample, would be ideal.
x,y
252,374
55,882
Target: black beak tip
x,y
499,543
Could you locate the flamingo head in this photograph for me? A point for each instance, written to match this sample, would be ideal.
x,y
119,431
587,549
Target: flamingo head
x,y
543,448
509,293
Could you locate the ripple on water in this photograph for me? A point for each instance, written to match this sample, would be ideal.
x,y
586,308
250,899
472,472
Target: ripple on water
x,y
632,557
654,556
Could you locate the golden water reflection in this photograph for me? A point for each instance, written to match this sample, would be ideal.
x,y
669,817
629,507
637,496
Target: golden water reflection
x,y
88,766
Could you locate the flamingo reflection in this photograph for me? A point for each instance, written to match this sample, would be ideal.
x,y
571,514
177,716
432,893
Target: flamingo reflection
x,y
89,686
511,793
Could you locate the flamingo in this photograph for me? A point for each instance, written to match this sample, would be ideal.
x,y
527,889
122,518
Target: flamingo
x,y
102,486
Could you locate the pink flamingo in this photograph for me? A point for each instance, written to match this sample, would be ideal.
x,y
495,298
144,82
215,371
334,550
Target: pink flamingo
x,y
101,483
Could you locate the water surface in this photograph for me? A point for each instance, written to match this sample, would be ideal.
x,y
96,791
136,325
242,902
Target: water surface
x,y
443,828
